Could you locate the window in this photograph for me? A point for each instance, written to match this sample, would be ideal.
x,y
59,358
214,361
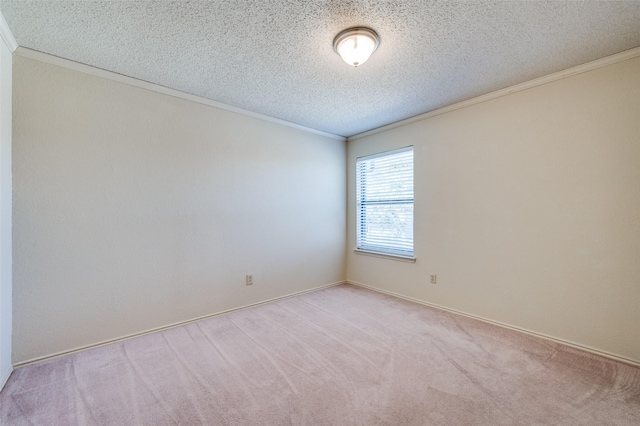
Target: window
x,y
384,191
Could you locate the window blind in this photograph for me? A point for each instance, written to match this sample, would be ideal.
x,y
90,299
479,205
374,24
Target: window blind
x,y
384,191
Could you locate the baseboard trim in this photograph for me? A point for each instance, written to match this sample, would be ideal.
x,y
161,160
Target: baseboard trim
x,y
504,325
5,377
166,327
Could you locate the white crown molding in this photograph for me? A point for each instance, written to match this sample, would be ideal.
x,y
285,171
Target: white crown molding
x,y
99,72
589,66
7,35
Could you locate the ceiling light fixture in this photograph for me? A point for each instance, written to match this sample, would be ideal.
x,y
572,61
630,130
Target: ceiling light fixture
x,y
355,45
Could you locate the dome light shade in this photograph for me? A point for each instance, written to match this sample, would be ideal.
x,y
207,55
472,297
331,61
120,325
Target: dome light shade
x,y
355,45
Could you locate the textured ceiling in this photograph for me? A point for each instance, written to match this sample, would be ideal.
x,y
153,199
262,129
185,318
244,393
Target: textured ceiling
x,y
275,57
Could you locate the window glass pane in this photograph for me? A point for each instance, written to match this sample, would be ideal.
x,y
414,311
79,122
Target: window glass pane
x,y
387,226
384,190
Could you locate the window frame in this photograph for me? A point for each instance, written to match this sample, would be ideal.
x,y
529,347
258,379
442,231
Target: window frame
x,y
362,201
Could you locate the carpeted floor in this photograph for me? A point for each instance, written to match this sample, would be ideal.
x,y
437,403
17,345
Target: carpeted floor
x,y
339,356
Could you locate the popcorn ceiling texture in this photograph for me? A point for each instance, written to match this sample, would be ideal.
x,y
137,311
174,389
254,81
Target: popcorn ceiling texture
x,y
275,57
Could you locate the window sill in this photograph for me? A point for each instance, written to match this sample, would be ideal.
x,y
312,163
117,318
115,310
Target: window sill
x,y
398,257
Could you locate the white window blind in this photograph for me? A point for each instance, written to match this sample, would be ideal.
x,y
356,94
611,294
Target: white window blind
x,y
384,191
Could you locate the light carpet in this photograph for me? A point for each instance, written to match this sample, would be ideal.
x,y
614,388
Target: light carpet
x,y
338,356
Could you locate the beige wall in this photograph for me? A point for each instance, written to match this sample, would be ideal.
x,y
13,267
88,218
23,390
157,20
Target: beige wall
x,y
5,212
527,208
134,210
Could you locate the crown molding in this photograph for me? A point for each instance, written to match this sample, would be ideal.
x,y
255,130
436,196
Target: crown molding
x,y
99,72
589,66
7,35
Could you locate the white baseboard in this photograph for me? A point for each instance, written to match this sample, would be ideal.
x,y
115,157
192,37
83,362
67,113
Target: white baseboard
x,y
5,377
166,327
574,345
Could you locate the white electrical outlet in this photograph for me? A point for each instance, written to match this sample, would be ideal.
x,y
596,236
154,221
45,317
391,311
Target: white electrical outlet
x,y
249,279
432,279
